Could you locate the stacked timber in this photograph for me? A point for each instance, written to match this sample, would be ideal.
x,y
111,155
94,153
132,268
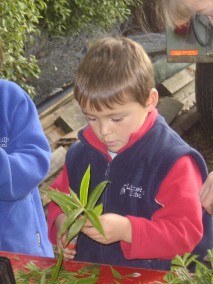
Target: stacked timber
x,y
61,122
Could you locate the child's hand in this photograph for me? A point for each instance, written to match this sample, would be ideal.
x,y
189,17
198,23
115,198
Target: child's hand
x,y
116,228
206,194
69,250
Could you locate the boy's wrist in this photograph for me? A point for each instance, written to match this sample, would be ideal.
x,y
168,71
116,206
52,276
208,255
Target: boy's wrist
x,y
127,230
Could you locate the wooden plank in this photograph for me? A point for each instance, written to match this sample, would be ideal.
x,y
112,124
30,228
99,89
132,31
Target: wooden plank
x,y
50,119
186,91
175,83
185,121
71,119
57,105
57,161
50,129
55,135
169,108
189,102
68,138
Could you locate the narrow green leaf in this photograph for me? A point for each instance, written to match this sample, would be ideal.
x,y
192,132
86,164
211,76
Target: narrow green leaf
x,y
95,195
63,200
57,268
93,269
190,259
98,209
95,221
115,273
44,277
88,280
76,228
201,266
75,198
84,187
70,219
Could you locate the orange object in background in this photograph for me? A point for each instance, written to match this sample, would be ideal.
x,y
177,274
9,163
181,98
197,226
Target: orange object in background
x,y
183,52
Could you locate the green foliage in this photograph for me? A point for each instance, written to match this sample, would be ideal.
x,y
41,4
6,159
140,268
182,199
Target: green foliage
x,y
65,16
88,274
180,273
18,20
35,274
77,210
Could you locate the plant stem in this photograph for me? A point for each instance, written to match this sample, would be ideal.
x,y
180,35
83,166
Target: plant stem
x,y
57,268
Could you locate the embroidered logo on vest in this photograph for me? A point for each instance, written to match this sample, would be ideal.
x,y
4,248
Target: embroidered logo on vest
x,y
132,191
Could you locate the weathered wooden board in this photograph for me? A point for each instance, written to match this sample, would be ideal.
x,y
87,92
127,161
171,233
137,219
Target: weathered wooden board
x,y
185,121
169,108
71,119
54,136
57,161
176,82
67,98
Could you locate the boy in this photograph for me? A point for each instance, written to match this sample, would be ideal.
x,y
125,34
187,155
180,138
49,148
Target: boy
x,y
24,161
151,206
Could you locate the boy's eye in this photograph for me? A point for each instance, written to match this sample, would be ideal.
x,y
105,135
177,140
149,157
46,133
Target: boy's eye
x,y
117,119
90,118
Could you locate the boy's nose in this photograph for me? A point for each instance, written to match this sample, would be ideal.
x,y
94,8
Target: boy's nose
x,y
104,128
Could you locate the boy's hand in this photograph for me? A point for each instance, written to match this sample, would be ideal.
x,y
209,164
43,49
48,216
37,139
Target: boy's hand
x,y
116,228
69,251
206,194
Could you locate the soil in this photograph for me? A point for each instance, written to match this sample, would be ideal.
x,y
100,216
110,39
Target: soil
x,y
201,140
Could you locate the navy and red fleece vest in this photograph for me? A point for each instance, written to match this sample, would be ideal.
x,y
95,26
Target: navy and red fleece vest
x,y
137,172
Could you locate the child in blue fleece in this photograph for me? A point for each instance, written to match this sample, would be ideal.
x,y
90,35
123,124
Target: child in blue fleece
x,y
24,161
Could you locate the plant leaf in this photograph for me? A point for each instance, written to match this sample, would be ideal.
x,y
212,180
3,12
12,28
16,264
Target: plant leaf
x,y
115,273
76,228
93,269
70,219
95,195
98,209
95,221
63,200
84,187
75,198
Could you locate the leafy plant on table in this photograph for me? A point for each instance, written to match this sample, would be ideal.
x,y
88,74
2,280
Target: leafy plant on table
x,y
180,273
78,210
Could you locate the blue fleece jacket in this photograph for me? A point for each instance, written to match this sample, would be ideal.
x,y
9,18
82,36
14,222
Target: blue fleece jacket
x,y
24,162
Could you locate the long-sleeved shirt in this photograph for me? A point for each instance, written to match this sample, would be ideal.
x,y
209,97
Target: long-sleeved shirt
x,y
24,162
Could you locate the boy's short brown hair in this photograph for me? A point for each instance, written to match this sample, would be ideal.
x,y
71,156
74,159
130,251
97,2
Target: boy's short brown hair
x,y
113,68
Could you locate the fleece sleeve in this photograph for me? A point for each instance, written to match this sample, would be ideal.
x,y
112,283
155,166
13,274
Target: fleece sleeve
x,y
176,227
61,183
25,155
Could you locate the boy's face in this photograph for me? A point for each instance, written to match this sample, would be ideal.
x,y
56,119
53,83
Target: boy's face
x,y
115,126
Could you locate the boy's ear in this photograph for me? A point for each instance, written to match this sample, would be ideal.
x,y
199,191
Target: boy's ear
x,y
152,100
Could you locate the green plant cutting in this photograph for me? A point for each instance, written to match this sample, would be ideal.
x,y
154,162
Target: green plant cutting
x,y
180,273
77,210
